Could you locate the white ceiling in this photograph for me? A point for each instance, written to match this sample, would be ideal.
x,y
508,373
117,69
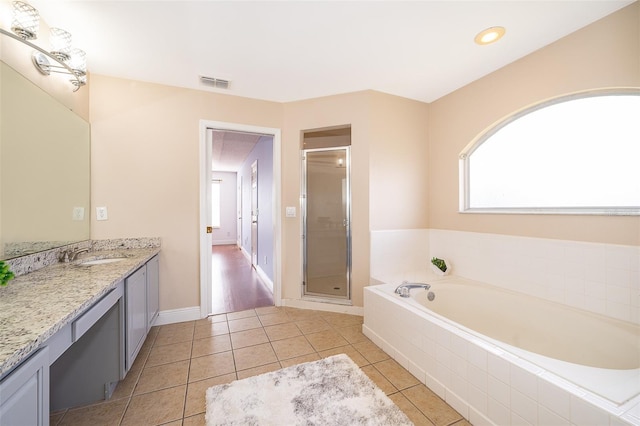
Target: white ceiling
x,y
230,149
291,50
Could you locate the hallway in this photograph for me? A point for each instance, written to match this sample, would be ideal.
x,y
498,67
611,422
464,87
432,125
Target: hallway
x,y
236,285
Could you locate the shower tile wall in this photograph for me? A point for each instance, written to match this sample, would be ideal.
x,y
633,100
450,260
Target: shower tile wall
x,y
601,278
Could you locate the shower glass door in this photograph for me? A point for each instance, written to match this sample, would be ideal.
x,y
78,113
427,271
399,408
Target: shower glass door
x,y
327,241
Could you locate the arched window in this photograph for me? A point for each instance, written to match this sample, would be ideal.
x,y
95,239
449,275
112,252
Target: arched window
x,y
577,154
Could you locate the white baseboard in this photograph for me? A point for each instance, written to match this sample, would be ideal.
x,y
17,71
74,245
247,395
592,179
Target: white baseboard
x,y
223,242
178,315
246,254
327,307
265,279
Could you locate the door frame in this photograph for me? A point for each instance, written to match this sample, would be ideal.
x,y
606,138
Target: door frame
x,y
255,213
205,161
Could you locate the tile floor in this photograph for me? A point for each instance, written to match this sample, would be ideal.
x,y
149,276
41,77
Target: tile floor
x,y
178,362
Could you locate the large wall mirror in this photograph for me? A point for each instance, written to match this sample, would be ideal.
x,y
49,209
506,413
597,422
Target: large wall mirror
x,y
44,169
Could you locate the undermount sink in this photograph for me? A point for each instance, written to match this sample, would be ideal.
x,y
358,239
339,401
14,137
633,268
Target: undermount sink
x,y
101,261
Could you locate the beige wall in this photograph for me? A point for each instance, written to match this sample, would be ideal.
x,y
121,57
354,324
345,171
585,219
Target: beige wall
x,y
604,54
145,169
388,172
145,148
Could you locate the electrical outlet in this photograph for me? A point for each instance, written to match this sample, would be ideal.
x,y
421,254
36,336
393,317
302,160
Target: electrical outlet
x,y
101,213
265,260
78,213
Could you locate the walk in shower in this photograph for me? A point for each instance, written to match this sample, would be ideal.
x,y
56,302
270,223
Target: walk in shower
x,y
327,214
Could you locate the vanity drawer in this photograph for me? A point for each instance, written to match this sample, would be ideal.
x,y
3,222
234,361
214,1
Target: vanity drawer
x,y
94,313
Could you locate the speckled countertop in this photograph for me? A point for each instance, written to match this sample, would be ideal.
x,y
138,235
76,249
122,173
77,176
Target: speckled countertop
x,y
35,306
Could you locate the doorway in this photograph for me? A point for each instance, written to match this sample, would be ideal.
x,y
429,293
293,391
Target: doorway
x,y
327,219
226,261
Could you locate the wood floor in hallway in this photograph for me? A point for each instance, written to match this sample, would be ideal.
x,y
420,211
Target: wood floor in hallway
x,y
236,285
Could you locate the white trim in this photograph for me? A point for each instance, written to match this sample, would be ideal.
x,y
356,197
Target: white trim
x,y
327,307
205,213
246,254
177,315
265,278
223,242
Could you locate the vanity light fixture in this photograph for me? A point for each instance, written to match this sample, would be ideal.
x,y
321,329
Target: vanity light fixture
x,y
60,43
61,59
26,21
490,35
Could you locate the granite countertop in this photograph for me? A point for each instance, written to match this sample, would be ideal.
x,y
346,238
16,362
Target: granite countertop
x,y
33,307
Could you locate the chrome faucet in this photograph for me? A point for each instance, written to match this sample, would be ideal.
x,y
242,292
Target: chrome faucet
x,y
71,254
403,289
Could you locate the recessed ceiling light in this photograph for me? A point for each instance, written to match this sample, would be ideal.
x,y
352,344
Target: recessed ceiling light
x,y
490,35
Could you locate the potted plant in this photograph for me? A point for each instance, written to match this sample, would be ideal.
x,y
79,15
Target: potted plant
x,y
5,274
439,266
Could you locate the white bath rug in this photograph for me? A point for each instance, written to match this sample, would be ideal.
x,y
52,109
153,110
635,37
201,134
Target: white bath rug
x,y
332,391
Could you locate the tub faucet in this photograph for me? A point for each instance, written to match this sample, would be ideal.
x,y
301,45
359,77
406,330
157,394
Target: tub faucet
x,y
403,289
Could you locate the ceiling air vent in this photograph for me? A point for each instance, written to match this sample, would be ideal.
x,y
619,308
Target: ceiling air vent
x,y
218,83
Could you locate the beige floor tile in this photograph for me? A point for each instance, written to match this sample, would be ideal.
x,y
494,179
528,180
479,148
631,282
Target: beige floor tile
x,y
370,351
292,347
255,371
252,337
211,329
177,335
396,374
156,408
254,356
197,420
410,410
107,413
313,325
195,403
55,418
299,360
266,310
210,320
244,324
241,314
296,314
213,365
352,334
273,319
380,381
349,350
125,387
338,320
178,326
211,345
166,354
439,412
162,377
174,423
282,331
327,339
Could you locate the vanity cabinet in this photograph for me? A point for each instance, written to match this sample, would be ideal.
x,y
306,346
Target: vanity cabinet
x,y
153,291
142,299
24,393
136,300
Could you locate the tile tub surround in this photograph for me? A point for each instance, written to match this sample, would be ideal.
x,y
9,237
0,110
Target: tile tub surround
x,y
481,381
35,306
595,277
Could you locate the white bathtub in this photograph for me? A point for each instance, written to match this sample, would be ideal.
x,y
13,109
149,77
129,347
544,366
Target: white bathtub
x,y
504,358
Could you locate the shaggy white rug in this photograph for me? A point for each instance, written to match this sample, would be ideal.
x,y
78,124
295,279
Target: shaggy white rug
x,y
332,391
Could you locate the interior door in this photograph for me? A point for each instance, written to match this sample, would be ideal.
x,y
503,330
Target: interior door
x,y
327,239
254,213
239,231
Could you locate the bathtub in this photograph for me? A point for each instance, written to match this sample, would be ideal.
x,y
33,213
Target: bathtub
x,y
500,357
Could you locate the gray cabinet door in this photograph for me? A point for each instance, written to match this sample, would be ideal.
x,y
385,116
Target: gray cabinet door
x,y
153,290
136,302
24,394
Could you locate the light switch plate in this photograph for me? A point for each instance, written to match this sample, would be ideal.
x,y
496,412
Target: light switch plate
x,y
290,212
78,213
101,213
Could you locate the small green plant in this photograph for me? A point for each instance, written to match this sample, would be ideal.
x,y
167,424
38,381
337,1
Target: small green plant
x,y
5,274
439,263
